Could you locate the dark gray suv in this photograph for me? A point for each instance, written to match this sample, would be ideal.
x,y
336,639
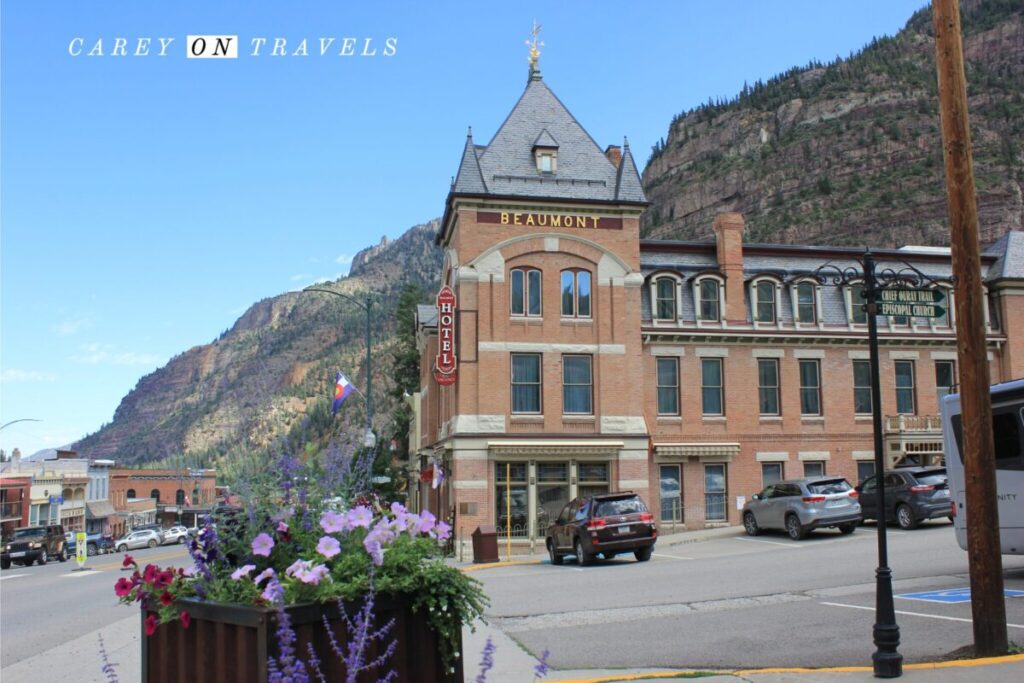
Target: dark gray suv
x,y
912,495
799,506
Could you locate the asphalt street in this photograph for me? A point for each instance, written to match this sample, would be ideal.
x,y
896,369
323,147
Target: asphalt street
x,y
742,602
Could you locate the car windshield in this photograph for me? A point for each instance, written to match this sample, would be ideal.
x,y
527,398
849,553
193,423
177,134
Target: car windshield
x,y
26,533
620,506
931,477
829,486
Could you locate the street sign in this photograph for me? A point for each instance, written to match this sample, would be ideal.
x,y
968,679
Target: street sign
x,y
912,303
81,549
56,500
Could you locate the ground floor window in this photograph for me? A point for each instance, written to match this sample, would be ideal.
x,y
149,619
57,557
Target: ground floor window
x,y
865,468
671,490
714,493
771,472
814,468
592,477
552,492
511,499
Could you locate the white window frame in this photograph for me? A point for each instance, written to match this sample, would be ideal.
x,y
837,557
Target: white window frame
x,y
948,304
677,291
849,304
697,281
794,295
755,301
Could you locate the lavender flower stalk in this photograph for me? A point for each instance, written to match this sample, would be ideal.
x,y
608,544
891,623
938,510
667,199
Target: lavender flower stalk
x,y
287,667
108,667
487,663
542,667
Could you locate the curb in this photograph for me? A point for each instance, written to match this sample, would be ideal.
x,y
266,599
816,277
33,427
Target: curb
x,y
495,565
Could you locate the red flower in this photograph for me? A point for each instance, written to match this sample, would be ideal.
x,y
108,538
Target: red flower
x,y
123,587
150,573
164,579
166,599
151,625
128,561
186,619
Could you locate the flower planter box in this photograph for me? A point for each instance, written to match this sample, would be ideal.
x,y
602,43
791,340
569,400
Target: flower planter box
x,y
226,643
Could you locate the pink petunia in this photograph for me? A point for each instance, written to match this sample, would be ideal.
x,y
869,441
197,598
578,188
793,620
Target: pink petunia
x,y
360,516
313,575
151,625
186,619
123,587
443,531
244,570
297,566
267,573
262,545
333,522
328,546
427,520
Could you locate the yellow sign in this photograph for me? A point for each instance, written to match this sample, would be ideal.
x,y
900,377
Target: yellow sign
x,y
81,549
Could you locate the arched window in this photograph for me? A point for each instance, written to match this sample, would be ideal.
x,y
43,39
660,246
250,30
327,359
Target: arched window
x,y
708,298
856,310
155,494
130,493
806,308
179,497
575,294
665,298
764,307
526,291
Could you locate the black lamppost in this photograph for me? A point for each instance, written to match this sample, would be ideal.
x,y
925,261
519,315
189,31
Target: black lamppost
x,y
888,662
370,439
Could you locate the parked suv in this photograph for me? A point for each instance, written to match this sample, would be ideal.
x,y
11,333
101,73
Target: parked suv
x,y
798,506
609,524
140,538
35,544
912,494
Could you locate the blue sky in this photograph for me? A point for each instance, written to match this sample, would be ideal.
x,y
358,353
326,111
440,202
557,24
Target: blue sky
x,y
148,201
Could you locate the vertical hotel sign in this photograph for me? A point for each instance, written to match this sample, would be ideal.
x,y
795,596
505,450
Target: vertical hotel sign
x,y
446,364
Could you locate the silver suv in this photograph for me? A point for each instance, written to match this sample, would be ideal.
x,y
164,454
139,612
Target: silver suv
x,y
802,505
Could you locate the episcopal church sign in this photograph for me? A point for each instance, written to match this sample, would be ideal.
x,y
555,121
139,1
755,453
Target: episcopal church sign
x,y
446,363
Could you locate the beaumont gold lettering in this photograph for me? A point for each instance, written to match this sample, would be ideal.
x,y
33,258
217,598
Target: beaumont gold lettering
x,y
545,220
504,218
516,217
556,221
529,219
596,219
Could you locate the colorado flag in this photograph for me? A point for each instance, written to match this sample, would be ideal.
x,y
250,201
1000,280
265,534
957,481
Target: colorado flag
x,y
342,389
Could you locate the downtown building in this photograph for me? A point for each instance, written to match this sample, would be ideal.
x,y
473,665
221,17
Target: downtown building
x,y
570,356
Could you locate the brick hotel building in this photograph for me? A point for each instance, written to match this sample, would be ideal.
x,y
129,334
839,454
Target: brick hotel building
x,y
588,359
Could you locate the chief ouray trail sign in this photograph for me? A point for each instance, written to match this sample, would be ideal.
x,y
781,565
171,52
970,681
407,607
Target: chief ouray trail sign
x,y
916,303
446,363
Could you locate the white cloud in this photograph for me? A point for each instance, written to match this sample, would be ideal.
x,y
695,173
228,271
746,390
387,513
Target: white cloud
x,y
344,258
105,354
68,327
14,375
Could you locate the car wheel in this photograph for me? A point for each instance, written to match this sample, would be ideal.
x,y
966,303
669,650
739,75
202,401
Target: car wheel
x,y
950,518
152,543
63,557
846,529
181,540
555,557
43,558
582,557
750,524
122,548
793,528
5,564
905,517
90,550
643,554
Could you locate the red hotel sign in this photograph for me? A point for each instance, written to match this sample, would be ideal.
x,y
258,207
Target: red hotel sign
x,y
446,364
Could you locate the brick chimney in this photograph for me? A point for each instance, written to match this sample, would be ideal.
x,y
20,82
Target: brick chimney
x,y
728,228
614,154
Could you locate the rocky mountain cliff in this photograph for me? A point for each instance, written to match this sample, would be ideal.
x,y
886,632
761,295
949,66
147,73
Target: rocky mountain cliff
x,y
850,153
277,362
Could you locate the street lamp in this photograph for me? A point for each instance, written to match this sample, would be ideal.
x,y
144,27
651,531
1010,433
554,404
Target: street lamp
x,y
370,439
23,419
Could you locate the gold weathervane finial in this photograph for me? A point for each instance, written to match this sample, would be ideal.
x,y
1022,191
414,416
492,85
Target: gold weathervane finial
x,y
534,45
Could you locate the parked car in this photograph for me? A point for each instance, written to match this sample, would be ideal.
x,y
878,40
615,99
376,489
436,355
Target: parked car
x,y
176,534
607,524
798,506
95,544
35,544
140,538
912,495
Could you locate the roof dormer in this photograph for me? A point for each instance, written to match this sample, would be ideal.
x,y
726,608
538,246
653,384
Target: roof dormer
x,y
545,151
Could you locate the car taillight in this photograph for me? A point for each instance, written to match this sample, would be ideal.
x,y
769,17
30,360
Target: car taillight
x,y
813,499
595,524
854,494
952,508
646,517
920,487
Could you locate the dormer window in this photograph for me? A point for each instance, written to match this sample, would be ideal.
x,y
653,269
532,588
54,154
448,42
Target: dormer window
x,y
764,301
546,162
545,151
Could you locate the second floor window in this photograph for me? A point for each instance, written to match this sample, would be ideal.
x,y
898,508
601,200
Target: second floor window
x,y
711,386
806,311
526,291
858,312
905,387
708,305
665,299
862,387
764,302
577,385
810,387
945,378
668,386
575,294
526,383
768,385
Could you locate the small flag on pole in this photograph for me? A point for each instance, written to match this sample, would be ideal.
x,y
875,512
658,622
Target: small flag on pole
x,y
438,477
342,389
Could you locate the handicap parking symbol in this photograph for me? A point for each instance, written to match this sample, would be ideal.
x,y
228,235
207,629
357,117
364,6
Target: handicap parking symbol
x,y
952,595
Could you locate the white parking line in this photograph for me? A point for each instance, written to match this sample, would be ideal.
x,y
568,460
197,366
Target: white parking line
x,y
791,546
675,557
12,576
915,614
73,574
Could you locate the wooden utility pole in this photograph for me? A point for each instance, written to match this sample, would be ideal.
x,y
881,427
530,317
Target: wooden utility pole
x,y
983,550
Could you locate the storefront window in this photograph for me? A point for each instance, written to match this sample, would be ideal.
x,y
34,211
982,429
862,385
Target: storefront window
x,y
592,478
671,494
511,492
714,493
552,492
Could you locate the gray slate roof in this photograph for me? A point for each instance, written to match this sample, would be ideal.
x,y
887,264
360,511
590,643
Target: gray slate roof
x,y
506,166
426,315
1010,251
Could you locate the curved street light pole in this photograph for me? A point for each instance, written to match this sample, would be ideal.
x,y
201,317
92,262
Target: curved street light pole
x,y
23,419
368,307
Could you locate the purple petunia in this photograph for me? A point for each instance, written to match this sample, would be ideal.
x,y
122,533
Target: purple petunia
x,y
274,592
427,521
244,570
443,531
360,516
333,522
373,547
262,545
267,573
328,546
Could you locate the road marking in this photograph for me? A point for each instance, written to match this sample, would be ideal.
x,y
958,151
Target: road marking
x,y
143,560
915,614
675,557
77,574
791,546
12,576
952,595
